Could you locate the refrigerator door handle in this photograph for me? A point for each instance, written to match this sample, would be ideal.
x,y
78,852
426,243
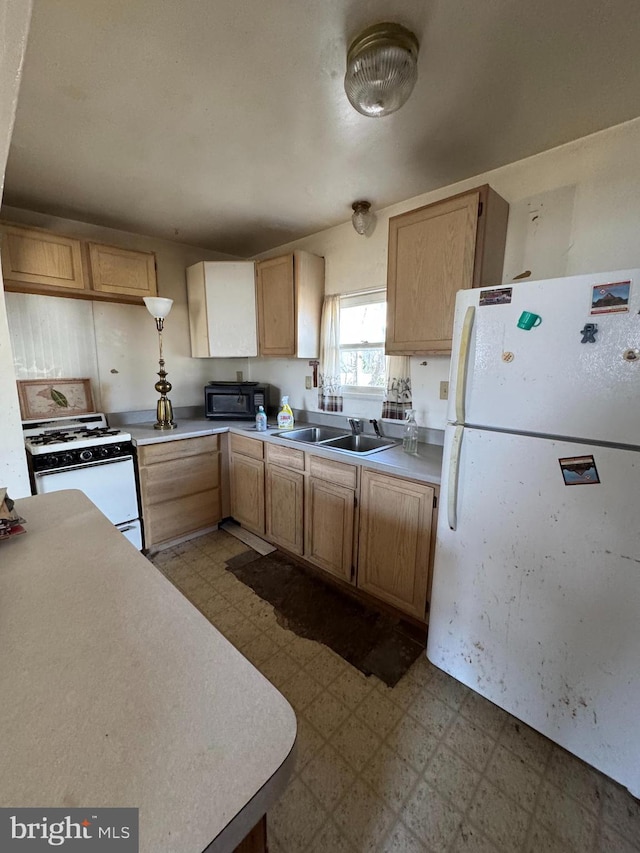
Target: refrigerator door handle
x,y
463,360
452,490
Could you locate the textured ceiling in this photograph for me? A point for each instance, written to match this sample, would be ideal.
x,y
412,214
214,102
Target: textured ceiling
x,y
224,124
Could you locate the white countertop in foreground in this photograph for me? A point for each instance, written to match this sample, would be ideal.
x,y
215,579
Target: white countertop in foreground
x,y
116,691
426,466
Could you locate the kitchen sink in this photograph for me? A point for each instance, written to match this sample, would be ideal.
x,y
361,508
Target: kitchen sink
x,y
312,435
359,443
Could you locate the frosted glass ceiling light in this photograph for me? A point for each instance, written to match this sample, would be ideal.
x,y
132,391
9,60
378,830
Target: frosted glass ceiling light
x,y
362,216
159,308
382,69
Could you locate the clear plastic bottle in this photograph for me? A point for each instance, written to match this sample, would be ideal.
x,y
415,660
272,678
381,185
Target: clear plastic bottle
x,y
285,415
410,436
261,419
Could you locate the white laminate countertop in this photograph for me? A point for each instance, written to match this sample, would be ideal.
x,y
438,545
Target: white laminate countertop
x,y
116,691
426,466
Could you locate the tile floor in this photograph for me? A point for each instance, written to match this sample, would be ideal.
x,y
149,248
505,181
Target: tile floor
x,y
427,766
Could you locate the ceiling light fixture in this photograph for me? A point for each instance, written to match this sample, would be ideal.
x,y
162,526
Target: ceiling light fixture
x,y
382,69
362,216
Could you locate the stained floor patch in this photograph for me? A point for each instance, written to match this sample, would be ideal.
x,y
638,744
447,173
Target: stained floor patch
x,y
375,644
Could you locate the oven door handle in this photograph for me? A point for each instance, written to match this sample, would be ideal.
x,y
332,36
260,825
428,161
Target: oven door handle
x,y
83,465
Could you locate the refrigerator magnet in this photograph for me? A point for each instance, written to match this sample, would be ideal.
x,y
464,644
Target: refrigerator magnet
x,y
579,471
610,298
496,296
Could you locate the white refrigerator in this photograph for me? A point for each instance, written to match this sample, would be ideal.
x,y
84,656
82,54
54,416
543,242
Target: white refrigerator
x,y
536,588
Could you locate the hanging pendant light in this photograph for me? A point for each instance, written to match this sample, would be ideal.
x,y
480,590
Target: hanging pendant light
x,y
382,69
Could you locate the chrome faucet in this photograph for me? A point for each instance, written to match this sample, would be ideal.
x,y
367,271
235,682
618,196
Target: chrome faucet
x,y
356,426
376,428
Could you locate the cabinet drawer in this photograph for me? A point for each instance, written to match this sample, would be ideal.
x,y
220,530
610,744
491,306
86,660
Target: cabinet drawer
x,y
288,457
165,451
174,518
247,446
335,472
177,478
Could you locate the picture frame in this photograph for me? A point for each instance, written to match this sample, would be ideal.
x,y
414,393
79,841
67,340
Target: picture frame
x,y
54,398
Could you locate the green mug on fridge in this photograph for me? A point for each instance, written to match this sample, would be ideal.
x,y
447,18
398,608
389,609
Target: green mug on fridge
x,y
528,320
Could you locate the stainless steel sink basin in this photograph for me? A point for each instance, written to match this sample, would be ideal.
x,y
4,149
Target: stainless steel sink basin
x,y
312,435
359,443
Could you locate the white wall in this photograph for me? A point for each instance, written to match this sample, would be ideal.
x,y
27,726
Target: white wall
x,y
573,209
115,345
15,16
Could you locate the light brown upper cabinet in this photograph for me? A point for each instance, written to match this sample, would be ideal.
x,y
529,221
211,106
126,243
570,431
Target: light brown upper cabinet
x,y
35,260
122,271
33,257
289,296
435,251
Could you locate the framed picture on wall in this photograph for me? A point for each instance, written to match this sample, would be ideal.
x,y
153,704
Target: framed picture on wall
x,y
54,398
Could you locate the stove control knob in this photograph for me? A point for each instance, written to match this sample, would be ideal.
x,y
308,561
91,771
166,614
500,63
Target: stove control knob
x,y
103,451
86,455
67,459
117,449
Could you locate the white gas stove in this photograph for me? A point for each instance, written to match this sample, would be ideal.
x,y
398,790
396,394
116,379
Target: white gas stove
x,y
83,452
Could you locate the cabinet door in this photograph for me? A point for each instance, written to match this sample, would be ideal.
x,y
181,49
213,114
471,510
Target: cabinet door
x,y
285,505
395,536
247,492
123,271
329,527
222,309
431,257
33,257
276,306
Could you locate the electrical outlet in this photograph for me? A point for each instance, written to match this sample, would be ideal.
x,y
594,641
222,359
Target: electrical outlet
x,y
308,382
239,376
444,390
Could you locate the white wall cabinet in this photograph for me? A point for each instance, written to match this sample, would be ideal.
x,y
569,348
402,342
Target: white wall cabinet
x,y
222,309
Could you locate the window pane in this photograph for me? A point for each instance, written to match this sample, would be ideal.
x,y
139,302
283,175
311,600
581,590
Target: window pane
x,y
363,323
363,367
349,367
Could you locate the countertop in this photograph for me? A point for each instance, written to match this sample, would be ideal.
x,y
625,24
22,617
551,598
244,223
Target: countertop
x,y
426,466
116,691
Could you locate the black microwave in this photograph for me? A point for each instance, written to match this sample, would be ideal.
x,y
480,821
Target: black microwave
x,y
234,400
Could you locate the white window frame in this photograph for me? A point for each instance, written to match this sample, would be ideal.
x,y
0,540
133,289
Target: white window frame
x,y
352,300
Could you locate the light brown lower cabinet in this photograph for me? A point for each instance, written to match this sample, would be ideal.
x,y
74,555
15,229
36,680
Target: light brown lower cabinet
x,y
330,516
395,540
284,497
308,505
284,491
247,482
179,487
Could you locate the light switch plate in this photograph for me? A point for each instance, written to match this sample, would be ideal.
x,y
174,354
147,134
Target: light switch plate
x,y
239,376
444,390
308,380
